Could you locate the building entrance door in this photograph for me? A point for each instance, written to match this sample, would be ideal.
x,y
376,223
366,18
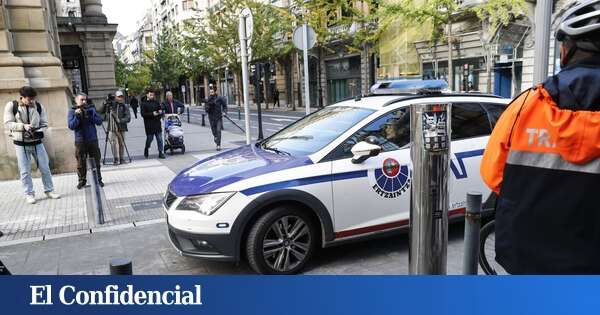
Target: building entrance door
x,y
74,66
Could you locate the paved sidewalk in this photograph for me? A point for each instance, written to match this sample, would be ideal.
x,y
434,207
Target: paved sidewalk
x,y
132,194
148,247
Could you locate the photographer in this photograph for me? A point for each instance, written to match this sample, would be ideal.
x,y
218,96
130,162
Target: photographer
x,y
117,115
83,119
26,120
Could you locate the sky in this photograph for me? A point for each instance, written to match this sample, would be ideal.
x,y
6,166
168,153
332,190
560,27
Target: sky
x,y
126,13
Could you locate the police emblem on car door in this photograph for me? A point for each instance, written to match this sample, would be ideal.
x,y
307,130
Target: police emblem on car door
x,y
377,195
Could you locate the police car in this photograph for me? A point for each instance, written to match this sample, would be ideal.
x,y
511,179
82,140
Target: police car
x,y
339,174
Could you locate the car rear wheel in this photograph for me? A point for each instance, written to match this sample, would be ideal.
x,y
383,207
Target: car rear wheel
x,y
281,242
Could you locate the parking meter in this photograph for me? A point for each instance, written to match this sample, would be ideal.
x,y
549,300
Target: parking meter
x,y
430,151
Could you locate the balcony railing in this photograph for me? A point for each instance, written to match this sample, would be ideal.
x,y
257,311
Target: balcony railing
x,y
72,17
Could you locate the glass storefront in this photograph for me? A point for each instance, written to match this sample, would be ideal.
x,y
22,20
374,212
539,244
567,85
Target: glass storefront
x,y
343,79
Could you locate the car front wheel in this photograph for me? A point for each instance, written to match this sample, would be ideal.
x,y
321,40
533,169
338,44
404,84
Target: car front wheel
x,y
281,242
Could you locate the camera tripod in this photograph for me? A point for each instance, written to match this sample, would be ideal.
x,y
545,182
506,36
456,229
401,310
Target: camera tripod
x,y
107,134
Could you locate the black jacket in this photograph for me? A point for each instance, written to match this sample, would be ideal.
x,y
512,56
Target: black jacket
x,y
133,102
152,123
214,107
178,107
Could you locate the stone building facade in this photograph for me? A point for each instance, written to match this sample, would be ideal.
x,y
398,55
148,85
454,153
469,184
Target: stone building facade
x,y
31,42
87,51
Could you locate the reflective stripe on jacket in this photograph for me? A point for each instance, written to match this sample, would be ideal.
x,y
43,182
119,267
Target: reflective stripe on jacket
x,y
544,162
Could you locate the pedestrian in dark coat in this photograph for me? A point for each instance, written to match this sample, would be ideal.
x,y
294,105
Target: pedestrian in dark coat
x,y
152,112
133,102
214,107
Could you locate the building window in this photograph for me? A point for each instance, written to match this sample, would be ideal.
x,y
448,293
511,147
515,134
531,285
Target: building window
x,y
188,5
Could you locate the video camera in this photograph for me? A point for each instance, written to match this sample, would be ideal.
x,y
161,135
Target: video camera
x,y
110,101
84,113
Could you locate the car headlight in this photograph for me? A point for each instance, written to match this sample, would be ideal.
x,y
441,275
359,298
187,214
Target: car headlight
x,y
206,204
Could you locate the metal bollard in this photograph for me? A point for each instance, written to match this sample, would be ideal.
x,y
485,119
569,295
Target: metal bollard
x,y
203,122
96,193
121,267
430,151
188,113
472,227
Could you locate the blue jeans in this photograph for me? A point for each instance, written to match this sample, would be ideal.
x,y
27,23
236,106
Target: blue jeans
x,y
159,141
25,157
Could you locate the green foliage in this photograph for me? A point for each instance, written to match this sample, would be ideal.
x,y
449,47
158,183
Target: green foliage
x,y
136,77
273,28
436,12
441,12
499,12
121,72
166,62
349,21
215,42
140,78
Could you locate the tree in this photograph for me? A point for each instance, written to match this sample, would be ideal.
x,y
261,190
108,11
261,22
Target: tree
x,y
166,66
140,78
351,22
213,43
121,72
442,13
136,77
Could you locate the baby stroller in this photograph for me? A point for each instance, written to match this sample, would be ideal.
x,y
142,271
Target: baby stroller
x,y
173,133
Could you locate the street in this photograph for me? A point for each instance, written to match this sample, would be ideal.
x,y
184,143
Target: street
x,y
272,121
62,237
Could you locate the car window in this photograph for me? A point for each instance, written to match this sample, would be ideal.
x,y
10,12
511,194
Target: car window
x,y
494,112
392,131
469,120
314,132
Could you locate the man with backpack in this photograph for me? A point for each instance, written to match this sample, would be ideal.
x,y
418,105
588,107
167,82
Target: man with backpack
x,y
26,119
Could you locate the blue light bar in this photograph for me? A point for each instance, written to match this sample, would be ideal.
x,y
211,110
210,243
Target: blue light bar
x,y
410,87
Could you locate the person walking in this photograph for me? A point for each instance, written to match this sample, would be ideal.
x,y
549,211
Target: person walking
x,y
134,104
172,106
117,115
83,119
26,119
214,108
152,112
276,97
543,160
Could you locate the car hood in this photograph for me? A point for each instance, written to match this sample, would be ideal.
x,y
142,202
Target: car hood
x,y
230,167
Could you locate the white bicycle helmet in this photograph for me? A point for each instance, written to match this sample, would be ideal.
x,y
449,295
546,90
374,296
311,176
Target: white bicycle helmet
x,y
581,24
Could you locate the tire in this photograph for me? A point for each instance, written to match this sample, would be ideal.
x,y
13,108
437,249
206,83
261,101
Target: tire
x,y
484,261
183,149
286,255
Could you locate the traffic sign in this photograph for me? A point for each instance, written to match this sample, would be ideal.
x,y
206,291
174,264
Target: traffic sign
x,y
247,14
311,37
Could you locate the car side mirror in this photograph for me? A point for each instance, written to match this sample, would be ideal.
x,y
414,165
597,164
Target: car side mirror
x,y
363,151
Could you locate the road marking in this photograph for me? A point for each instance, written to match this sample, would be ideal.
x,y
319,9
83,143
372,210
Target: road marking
x,y
285,120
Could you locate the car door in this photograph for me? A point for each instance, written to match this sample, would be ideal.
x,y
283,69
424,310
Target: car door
x,y
373,195
471,128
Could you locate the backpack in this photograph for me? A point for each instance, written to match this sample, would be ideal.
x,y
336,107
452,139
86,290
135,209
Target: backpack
x,y
38,106
16,108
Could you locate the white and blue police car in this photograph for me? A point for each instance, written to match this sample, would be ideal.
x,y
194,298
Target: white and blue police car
x,y
339,174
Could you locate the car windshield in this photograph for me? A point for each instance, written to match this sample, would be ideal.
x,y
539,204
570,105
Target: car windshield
x,y
314,132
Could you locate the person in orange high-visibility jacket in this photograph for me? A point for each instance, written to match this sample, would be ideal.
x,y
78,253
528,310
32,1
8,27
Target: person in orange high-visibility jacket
x,y
543,160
